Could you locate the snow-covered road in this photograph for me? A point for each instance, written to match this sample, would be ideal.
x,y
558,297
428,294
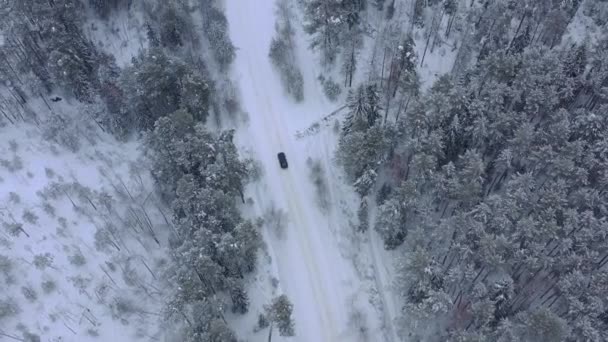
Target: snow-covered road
x,y
320,282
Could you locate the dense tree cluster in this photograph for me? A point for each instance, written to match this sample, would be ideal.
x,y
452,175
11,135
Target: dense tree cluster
x,y
362,145
335,26
491,184
45,40
215,26
201,175
157,84
500,199
198,172
363,139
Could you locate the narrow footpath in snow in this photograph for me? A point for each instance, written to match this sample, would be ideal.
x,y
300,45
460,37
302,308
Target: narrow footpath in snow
x,y
321,283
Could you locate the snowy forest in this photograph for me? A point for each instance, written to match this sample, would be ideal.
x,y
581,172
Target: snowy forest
x,y
447,178
490,180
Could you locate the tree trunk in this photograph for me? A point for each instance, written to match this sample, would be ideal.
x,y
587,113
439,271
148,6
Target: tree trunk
x,y
449,28
435,32
427,42
404,109
382,72
270,333
534,33
390,76
523,17
352,66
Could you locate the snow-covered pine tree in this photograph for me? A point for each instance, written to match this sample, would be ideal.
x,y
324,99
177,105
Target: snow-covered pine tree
x,y
363,215
324,21
215,26
279,313
363,105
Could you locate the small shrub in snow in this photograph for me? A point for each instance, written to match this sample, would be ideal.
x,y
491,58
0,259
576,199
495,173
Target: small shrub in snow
x,y
254,169
123,307
331,89
77,259
357,323
262,323
93,332
363,215
49,209
50,173
12,145
111,266
30,217
42,261
14,229
17,163
8,308
6,265
48,286
274,282
53,191
317,176
63,231
130,275
6,268
81,283
103,240
276,219
231,99
101,292
12,165
29,293
14,198
63,222
30,337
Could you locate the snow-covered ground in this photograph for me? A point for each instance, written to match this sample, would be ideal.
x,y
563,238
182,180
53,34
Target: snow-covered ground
x,y
320,262
78,256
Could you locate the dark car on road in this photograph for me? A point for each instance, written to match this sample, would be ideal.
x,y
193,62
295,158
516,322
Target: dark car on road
x,y
282,160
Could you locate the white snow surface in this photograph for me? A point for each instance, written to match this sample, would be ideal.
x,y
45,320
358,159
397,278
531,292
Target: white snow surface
x,y
112,293
320,262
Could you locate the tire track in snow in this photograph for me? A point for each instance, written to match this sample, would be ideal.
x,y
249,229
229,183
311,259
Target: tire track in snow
x,y
293,198
299,223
